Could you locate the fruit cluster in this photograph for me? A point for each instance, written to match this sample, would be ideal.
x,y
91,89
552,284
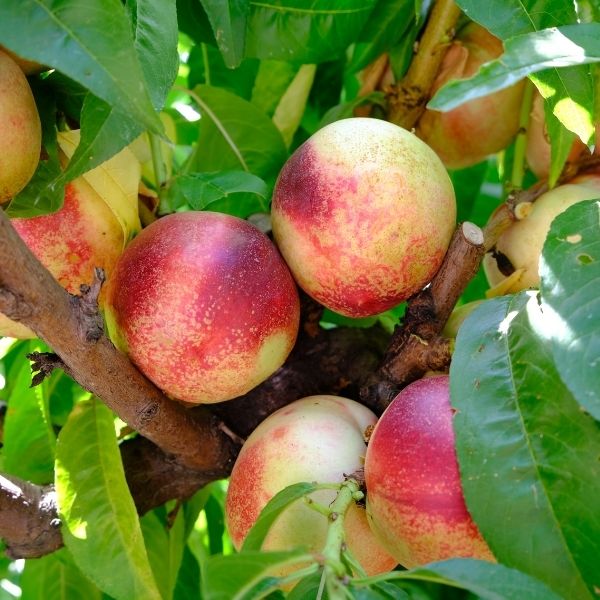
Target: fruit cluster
x,y
207,306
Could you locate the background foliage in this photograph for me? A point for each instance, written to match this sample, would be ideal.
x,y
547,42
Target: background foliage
x,y
241,84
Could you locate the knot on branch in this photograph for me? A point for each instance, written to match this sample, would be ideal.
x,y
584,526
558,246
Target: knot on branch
x,y
85,306
43,363
13,305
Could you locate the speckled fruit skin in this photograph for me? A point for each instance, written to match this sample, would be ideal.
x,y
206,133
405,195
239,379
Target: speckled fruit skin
x,y
414,495
469,133
21,131
82,235
204,305
522,244
318,438
363,213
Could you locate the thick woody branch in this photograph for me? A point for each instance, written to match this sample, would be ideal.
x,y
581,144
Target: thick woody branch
x,y
29,524
28,293
416,346
408,98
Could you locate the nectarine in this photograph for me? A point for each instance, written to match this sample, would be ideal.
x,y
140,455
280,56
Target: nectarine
x,y
521,245
470,132
204,305
21,131
415,502
319,438
363,213
85,232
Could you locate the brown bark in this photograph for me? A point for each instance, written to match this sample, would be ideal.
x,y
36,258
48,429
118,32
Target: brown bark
x,y
29,524
416,347
408,98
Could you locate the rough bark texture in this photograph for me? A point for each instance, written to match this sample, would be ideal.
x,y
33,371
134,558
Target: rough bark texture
x,y
29,524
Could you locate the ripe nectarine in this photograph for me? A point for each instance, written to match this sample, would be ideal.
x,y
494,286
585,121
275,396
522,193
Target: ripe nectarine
x,y
21,131
415,502
204,305
318,438
363,213
470,132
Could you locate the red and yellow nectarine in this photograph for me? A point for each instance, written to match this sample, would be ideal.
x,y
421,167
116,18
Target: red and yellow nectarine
x,y
20,127
415,502
363,213
319,438
204,305
472,131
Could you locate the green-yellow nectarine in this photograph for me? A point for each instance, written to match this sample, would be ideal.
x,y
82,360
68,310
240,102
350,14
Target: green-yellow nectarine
x,y
521,245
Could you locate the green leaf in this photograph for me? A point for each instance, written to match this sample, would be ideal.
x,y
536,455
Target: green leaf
x,y
193,21
155,36
524,54
207,66
55,577
100,524
570,279
291,30
228,22
41,196
387,25
289,111
235,135
104,132
234,577
274,507
569,93
28,437
522,441
164,545
91,44
488,581
561,140
307,587
188,577
345,110
507,18
272,80
245,192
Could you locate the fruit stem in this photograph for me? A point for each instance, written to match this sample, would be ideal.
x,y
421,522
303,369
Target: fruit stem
x,y
518,166
334,570
158,164
408,101
318,507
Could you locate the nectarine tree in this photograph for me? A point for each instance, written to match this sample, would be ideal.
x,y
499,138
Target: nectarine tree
x,y
266,361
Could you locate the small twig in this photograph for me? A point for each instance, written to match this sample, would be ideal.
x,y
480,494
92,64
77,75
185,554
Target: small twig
x,y
43,363
408,98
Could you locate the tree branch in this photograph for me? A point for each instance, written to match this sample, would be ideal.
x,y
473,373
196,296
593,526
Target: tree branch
x,y
408,98
29,524
416,347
